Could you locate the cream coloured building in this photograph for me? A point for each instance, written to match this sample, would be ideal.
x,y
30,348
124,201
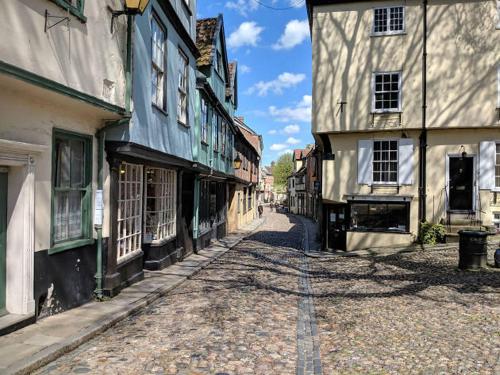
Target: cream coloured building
x,y
406,98
62,80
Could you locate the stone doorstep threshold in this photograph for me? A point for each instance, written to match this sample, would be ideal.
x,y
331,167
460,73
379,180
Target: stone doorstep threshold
x,y
10,322
115,311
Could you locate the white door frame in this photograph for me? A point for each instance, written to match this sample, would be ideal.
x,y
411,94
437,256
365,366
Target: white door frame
x,y
474,181
18,157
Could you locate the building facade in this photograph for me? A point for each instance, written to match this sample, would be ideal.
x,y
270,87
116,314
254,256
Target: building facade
x,y
217,100
150,156
243,191
61,84
404,139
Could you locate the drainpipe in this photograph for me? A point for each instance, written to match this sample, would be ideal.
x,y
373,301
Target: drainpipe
x,y
423,134
101,138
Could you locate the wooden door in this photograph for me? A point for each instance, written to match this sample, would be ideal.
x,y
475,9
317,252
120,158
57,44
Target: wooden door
x,y
461,170
337,226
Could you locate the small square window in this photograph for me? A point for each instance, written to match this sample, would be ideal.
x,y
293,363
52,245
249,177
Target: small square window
x,y
386,92
388,20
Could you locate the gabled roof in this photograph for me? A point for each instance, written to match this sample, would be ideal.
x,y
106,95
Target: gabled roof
x,y
205,39
232,89
250,136
207,30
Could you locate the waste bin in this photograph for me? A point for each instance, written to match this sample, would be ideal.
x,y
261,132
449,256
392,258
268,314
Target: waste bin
x,y
473,249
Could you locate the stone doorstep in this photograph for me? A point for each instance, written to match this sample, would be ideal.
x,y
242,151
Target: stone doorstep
x,y
38,344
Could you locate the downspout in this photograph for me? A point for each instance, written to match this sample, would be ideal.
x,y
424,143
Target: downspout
x,y
423,134
101,139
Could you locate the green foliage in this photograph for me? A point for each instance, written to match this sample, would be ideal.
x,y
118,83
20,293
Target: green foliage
x,y
282,169
431,234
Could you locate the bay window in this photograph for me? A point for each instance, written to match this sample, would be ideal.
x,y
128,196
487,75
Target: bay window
x,y
380,216
129,232
71,187
161,203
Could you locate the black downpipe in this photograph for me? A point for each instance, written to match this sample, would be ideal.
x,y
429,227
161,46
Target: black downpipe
x,y
422,215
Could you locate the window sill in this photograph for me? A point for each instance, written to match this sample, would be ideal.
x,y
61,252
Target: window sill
x,y
387,112
394,33
377,231
179,122
161,110
204,143
58,248
75,12
158,243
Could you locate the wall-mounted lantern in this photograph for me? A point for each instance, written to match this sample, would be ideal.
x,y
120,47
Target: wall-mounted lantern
x,y
131,8
237,162
463,152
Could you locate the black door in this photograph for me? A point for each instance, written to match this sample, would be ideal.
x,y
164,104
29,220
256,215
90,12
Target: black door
x,y
336,227
187,212
461,183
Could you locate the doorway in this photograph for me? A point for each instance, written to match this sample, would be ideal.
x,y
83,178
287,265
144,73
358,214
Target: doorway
x,y
3,239
336,227
461,183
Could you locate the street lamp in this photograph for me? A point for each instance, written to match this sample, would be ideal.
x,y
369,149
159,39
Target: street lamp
x,y
237,162
131,8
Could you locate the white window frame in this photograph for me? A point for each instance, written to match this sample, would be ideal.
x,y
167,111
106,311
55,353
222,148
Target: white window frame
x,y
182,91
204,121
129,216
498,15
495,186
388,26
166,202
498,80
400,96
388,161
496,221
158,52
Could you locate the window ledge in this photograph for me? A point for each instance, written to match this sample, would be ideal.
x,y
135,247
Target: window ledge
x,y
58,248
159,109
179,122
376,35
388,112
204,143
75,12
377,231
158,243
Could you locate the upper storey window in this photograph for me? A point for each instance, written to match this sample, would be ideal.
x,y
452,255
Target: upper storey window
x,y
388,20
386,92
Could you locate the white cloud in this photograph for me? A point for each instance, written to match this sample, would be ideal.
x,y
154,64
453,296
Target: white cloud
x,y
283,81
287,151
243,7
301,112
295,33
291,129
245,69
296,3
247,34
278,147
292,141
272,132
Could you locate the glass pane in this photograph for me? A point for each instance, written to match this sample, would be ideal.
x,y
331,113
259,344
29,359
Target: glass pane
x,y
63,163
75,214
77,164
60,216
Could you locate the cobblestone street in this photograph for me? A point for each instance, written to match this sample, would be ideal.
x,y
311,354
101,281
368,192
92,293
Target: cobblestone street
x,y
253,312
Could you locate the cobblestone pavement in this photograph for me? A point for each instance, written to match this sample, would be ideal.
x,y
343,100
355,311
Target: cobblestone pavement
x,y
238,316
252,312
409,313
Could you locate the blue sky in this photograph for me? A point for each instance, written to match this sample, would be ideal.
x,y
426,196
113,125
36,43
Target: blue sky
x,y
273,51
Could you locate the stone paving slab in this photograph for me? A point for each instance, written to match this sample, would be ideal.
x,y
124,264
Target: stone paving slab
x,y
33,346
